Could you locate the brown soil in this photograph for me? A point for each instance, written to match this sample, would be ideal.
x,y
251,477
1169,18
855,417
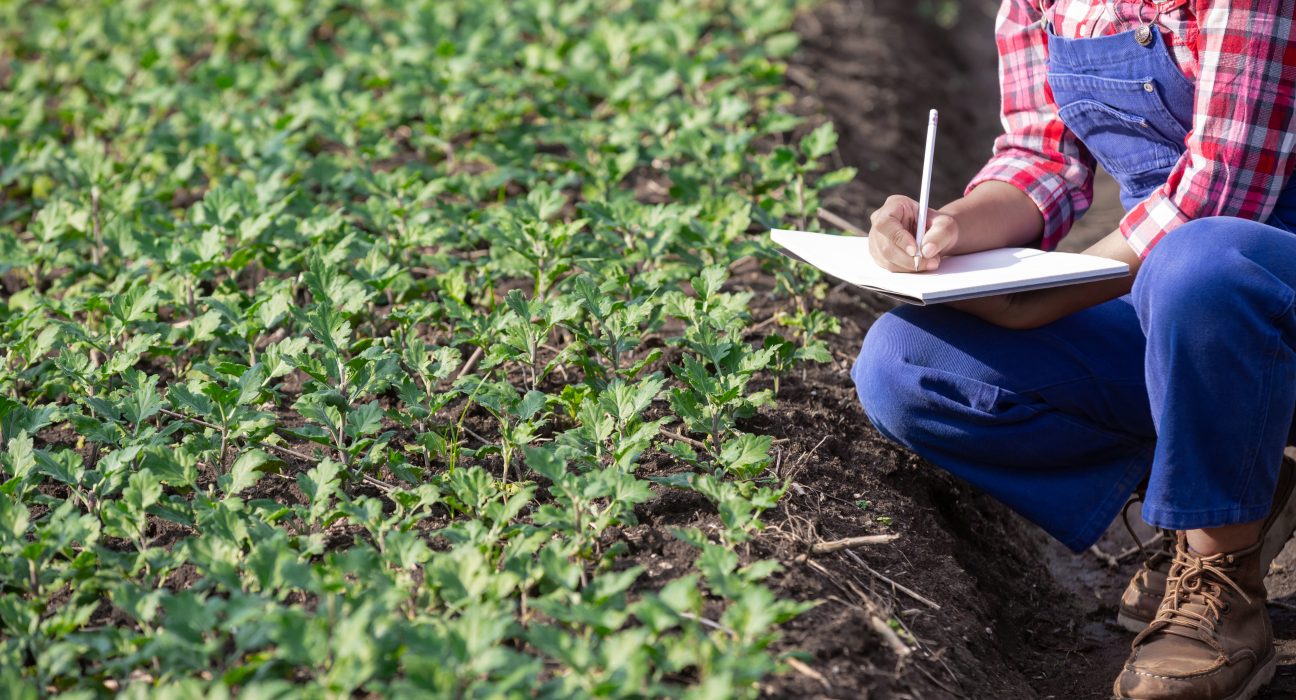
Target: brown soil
x,y
1018,615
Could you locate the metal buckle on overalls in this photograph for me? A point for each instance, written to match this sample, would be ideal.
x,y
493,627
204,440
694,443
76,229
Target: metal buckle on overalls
x,y
1143,35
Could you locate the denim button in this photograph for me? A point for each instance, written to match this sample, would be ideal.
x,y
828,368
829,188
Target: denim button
x,y
1149,87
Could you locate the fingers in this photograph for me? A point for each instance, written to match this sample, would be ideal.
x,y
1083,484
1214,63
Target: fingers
x,y
941,235
893,247
891,240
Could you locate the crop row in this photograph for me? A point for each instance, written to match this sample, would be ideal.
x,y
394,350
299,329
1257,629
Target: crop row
x,y
344,342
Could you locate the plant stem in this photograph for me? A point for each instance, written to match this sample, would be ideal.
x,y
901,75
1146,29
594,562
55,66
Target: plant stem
x,y
96,252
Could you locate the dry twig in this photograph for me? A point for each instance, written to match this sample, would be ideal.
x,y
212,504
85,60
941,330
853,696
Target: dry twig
x,y
1137,549
894,584
807,455
709,623
841,223
800,667
473,433
761,326
799,77
686,440
863,541
1107,560
739,262
871,609
470,364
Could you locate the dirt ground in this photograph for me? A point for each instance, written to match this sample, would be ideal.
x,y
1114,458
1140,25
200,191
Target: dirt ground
x,y
992,607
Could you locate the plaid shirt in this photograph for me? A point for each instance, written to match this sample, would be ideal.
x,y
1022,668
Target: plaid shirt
x,y
1242,56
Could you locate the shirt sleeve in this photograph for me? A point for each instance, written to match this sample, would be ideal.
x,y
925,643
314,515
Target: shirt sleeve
x,y
1239,151
1036,153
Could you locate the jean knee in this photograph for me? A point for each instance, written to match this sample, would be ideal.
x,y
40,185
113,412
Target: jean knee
x,y
886,384
1198,269
1175,260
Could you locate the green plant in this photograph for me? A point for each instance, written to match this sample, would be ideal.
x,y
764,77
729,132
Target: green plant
x,y
340,341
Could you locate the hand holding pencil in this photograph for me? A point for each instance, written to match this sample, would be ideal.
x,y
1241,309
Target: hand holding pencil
x,y
907,235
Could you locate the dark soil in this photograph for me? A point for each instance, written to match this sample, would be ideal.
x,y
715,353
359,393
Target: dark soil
x,y
997,609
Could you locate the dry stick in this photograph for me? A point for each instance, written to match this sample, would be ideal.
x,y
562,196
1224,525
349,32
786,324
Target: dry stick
x,y
1108,560
952,691
739,262
884,630
376,483
847,543
796,468
709,623
472,362
841,223
800,667
799,77
898,586
879,625
809,454
764,323
871,610
688,440
1130,552
470,431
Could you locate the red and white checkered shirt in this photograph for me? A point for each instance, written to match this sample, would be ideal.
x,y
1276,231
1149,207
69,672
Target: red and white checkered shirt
x,y
1242,56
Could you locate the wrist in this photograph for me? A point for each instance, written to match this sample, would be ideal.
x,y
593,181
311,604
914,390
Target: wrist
x,y
995,214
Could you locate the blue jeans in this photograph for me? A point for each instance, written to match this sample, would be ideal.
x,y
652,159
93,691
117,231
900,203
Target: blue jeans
x,y
1189,381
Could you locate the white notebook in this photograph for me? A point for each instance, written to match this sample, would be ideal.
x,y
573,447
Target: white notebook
x,y
959,277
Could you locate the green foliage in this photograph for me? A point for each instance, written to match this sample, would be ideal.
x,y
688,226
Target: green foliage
x,y
344,333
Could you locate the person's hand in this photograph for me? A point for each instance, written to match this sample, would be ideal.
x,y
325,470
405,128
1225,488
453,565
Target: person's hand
x,y
891,238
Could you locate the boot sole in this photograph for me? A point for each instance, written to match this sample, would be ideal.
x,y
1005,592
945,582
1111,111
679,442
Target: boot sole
x,y
1258,680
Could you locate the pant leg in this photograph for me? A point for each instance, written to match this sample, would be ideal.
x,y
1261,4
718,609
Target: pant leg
x,y
1215,300
1053,421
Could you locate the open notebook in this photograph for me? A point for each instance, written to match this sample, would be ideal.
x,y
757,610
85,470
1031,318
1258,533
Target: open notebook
x,y
959,277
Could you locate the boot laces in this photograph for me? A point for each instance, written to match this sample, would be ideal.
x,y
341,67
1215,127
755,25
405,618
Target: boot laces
x,y
1198,581
1156,549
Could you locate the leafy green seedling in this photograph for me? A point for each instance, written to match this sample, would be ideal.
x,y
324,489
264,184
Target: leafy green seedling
x,y
517,415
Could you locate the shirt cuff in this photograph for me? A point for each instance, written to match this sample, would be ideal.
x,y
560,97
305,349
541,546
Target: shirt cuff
x,y
1057,203
1149,221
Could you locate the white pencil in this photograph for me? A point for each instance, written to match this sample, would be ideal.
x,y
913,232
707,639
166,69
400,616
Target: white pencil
x,y
924,194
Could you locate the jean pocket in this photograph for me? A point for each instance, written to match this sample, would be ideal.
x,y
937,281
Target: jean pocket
x,y
1128,145
1165,102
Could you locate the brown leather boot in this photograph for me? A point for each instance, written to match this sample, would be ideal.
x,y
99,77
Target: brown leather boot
x,y
1142,597
1211,638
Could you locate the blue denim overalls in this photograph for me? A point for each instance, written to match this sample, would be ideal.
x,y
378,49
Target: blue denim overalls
x,y
1062,422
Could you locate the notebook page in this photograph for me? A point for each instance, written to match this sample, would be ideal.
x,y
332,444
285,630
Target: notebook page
x,y
847,258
